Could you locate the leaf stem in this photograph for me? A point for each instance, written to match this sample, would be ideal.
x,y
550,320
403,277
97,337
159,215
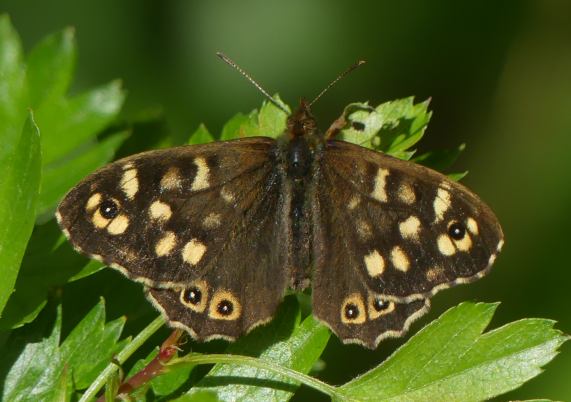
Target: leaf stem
x,y
121,357
196,359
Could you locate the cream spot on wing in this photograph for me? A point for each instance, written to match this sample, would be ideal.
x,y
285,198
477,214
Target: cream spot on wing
x,y
99,221
171,179
379,190
227,195
465,244
445,245
93,202
193,251
410,228
472,225
96,257
212,221
406,194
130,183
353,309
399,259
160,210
364,230
375,263
118,225
200,181
353,202
166,244
128,165
224,306
500,245
441,204
492,259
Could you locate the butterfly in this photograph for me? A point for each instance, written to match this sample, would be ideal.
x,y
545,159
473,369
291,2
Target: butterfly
x,y
218,232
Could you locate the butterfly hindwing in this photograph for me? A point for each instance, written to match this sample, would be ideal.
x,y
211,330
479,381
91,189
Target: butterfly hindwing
x,y
406,230
245,287
166,217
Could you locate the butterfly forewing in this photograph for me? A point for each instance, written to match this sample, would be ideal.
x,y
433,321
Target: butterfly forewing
x,y
165,217
407,231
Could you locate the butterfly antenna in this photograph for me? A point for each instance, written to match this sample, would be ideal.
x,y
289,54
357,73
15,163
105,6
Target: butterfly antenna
x,y
231,63
336,80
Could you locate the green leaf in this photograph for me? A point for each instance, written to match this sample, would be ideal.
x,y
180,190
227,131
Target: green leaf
x,y
48,263
59,178
392,127
31,364
239,126
284,342
271,119
19,189
68,123
201,136
91,344
269,122
13,90
50,67
34,364
451,357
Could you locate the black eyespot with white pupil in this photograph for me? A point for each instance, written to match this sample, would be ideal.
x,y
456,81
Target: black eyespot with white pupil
x,y
381,305
457,231
192,296
357,125
351,311
225,307
109,209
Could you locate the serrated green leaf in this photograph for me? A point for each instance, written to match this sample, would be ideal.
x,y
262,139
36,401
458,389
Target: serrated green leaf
x,y
19,189
89,347
285,342
50,67
451,359
392,127
31,364
58,179
68,123
269,122
201,136
271,119
240,125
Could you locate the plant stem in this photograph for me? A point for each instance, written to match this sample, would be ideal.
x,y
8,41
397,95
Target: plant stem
x,y
196,359
121,357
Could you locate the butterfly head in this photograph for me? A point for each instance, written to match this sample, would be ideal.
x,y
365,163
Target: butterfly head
x,y
301,122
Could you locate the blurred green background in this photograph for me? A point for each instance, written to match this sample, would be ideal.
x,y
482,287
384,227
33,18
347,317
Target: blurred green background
x,y
498,73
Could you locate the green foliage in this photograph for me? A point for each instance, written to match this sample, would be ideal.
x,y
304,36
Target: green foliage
x,y
449,357
36,366
70,150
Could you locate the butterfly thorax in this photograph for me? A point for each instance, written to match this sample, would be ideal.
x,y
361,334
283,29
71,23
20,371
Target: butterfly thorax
x,y
301,150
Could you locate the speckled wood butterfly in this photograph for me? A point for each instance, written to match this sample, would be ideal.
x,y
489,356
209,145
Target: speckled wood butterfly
x,y
217,232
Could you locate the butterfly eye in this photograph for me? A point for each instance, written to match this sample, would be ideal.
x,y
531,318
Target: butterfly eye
x,y
457,231
192,296
108,209
351,311
225,307
381,305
